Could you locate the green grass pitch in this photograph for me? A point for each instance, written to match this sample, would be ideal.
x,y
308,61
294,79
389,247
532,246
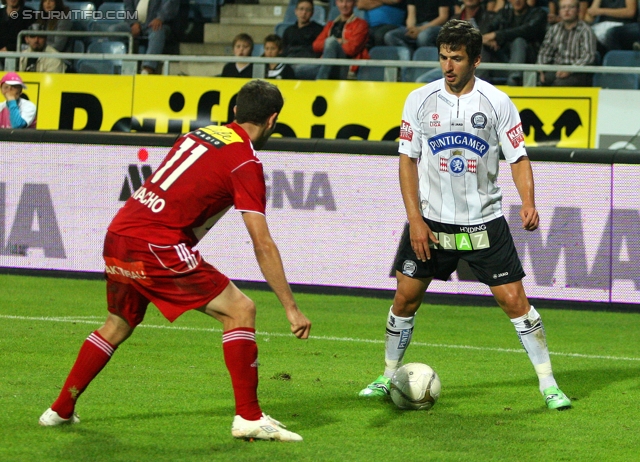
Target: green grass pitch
x,y
166,394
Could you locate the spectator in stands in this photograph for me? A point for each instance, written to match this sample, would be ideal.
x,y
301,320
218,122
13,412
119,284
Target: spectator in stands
x,y
54,22
38,44
627,36
273,49
298,40
490,5
607,16
474,11
242,46
515,36
499,4
569,42
16,111
382,16
12,21
344,37
553,15
152,23
424,18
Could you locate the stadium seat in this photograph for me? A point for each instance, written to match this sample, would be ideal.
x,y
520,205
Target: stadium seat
x,y
258,49
81,23
410,74
91,66
77,47
111,6
619,58
376,73
281,27
94,66
203,10
108,25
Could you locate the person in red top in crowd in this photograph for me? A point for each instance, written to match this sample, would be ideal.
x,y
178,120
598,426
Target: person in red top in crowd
x,y
344,37
149,257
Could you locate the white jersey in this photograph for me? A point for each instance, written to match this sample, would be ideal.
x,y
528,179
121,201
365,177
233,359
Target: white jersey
x,y
455,140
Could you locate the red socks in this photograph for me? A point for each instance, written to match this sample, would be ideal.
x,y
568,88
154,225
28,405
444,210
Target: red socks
x,y
94,354
241,358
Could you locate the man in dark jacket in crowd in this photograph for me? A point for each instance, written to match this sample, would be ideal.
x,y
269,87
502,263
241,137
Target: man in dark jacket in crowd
x,y
516,32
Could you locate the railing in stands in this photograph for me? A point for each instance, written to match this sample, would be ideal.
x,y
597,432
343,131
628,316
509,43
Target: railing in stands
x,y
392,67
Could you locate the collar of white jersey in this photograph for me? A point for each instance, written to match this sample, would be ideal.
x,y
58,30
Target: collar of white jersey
x,y
454,98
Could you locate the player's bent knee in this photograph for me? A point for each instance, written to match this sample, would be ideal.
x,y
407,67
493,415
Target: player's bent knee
x,y
246,310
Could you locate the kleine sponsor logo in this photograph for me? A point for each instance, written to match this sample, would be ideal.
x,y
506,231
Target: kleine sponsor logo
x,y
405,131
516,135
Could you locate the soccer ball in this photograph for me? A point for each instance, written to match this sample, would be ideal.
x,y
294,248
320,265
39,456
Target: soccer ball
x,y
415,386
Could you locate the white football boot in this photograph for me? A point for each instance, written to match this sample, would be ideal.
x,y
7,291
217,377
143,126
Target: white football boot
x,y
265,428
50,418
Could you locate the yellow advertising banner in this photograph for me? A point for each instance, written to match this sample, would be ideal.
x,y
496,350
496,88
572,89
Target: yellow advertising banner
x,y
563,117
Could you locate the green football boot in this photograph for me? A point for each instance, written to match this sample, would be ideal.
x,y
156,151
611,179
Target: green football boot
x,y
379,387
555,399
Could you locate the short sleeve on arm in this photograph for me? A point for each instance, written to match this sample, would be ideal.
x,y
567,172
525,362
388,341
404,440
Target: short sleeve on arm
x,y
510,132
249,191
410,128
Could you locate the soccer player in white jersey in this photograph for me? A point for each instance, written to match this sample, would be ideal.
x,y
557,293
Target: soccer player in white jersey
x,y
449,147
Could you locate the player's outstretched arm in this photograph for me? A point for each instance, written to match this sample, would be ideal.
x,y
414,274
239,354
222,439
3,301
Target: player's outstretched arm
x,y
270,263
523,179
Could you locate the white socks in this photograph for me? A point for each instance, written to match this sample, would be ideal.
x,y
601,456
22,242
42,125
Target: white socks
x,y
397,339
532,337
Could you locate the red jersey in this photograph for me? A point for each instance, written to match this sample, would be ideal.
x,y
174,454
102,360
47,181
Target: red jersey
x,y
205,173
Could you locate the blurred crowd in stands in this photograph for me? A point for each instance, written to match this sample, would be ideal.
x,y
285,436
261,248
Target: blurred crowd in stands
x,y
553,32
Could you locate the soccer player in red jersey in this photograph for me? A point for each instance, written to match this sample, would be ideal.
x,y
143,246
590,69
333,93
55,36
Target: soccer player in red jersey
x,y
149,257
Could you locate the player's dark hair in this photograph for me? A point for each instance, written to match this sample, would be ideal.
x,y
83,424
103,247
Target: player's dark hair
x,y
457,32
257,101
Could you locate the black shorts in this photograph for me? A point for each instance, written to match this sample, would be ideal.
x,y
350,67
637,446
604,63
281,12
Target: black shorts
x,y
488,248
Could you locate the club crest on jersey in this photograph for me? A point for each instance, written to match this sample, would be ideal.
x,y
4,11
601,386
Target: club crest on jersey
x,y
478,120
435,120
458,140
457,166
405,131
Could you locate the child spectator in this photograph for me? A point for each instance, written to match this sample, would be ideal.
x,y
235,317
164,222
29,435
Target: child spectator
x,y
15,112
273,49
242,46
